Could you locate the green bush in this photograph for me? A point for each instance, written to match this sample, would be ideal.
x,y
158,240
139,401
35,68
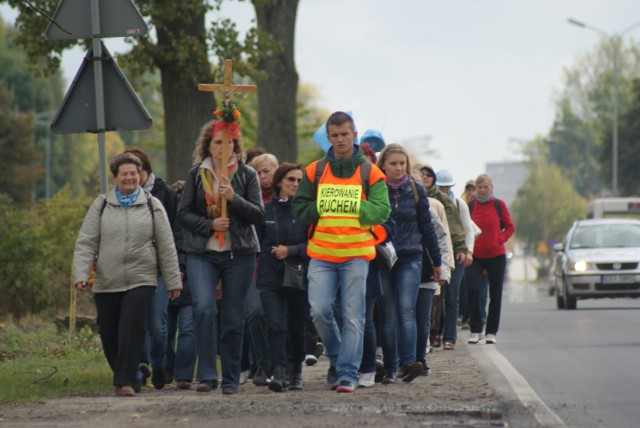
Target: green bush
x,y
36,251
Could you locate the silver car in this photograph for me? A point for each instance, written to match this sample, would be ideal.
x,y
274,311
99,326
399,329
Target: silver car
x,y
598,258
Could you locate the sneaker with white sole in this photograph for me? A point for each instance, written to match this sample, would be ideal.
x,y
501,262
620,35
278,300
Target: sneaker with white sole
x,y
244,377
474,338
310,359
490,339
345,386
365,380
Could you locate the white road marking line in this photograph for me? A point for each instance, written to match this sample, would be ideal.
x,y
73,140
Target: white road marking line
x,y
525,393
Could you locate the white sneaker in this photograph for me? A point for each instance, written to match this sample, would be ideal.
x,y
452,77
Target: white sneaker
x,y
310,359
490,339
244,376
367,379
474,338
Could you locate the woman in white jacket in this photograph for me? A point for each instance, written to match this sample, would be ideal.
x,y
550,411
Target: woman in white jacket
x,y
126,236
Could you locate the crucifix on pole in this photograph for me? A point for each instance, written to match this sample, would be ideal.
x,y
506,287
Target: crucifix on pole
x,y
227,88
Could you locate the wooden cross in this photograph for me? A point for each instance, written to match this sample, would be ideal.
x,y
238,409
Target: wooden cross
x,y
227,88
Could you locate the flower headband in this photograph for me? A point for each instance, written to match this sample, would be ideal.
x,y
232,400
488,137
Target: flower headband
x,y
228,116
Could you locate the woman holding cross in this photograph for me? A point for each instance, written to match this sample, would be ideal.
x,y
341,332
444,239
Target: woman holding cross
x,y
220,245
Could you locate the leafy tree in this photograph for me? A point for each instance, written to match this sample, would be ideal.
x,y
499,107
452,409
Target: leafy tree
x,y
581,135
178,48
36,249
629,146
546,204
20,163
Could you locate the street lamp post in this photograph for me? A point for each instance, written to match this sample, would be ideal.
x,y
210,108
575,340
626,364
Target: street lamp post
x,y
613,40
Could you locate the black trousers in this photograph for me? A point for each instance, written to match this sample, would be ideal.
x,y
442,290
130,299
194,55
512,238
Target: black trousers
x,y
121,322
495,268
285,312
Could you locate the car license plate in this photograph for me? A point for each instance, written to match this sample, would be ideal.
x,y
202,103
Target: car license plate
x,y
618,279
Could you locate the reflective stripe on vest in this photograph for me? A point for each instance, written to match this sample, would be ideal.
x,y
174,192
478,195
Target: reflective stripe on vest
x,y
339,236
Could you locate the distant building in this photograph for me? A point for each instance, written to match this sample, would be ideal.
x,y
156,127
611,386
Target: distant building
x,y
507,178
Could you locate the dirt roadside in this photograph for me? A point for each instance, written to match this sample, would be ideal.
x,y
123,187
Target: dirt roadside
x,y
456,393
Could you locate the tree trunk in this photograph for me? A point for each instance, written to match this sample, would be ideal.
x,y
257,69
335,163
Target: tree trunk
x,y
181,56
277,93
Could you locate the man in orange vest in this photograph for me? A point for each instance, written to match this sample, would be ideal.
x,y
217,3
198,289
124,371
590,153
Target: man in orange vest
x,y
342,211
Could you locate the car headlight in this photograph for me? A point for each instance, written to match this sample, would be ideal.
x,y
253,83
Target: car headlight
x,y
580,266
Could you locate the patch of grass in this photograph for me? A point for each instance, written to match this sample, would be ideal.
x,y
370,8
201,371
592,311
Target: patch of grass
x,y
37,362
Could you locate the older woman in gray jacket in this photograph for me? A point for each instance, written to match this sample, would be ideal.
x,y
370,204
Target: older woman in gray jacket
x,y
126,236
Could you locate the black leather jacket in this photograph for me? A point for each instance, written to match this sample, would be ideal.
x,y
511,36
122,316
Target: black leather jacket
x,y
245,212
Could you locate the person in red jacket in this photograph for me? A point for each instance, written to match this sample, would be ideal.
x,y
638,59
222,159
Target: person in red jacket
x,y
493,218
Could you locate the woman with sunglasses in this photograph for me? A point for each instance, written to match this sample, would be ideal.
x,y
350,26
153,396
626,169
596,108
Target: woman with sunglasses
x,y
283,241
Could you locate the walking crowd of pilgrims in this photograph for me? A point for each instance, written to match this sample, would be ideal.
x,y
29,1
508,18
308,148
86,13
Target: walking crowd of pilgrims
x,y
360,257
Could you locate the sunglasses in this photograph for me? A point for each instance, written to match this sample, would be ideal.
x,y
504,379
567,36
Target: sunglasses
x,y
292,179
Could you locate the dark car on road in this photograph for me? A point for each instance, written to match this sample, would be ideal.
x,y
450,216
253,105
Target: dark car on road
x,y
598,258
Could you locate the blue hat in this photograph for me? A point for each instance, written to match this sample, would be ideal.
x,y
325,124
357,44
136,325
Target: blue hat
x,y
322,139
444,178
373,139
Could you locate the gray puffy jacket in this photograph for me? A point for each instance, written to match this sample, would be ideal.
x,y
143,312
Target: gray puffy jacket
x,y
128,245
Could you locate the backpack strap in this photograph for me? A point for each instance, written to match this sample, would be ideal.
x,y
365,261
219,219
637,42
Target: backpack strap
x,y
496,204
414,189
365,171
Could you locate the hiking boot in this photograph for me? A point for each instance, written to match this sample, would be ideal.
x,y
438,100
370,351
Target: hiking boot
x,y
332,377
379,371
183,384
260,378
145,372
410,371
295,377
168,374
279,381
157,378
207,385
389,377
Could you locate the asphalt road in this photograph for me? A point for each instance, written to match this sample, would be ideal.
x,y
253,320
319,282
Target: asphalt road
x,y
583,364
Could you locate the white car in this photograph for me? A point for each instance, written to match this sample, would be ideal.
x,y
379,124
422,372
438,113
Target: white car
x,y
598,258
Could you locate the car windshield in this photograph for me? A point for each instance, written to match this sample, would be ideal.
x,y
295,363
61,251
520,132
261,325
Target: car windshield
x,y
606,236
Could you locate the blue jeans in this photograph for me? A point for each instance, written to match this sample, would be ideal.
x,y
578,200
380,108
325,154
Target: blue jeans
x,y
203,271
257,328
156,337
398,309
326,281
181,356
285,313
452,303
423,321
374,291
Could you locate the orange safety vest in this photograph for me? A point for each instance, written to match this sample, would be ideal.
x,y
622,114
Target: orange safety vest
x,y
339,236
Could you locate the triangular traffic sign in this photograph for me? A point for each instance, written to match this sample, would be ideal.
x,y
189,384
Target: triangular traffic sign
x,y
122,107
118,18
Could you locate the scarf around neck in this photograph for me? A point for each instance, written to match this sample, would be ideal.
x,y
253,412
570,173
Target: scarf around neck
x,y
484,200
211,192
127,200
151,180
395,185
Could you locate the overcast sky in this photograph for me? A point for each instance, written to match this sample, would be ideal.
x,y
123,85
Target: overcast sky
x,y
469,74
